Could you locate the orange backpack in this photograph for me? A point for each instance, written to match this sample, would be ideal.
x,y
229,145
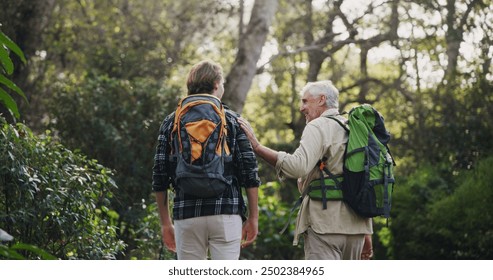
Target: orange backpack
x,y
199,146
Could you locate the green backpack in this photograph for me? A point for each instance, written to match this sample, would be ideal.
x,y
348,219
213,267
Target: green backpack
x,y
367,181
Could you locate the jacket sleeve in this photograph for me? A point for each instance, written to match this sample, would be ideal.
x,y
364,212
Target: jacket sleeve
x,y
305,157
161,173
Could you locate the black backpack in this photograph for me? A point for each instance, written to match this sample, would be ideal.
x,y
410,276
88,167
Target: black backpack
x,y
199,146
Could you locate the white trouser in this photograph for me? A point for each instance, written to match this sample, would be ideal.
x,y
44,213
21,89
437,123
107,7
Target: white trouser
x,y
220,234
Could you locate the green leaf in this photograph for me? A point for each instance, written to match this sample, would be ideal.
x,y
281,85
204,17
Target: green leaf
x,y
40,252
12,46
12,86
6,61
10,254
9,102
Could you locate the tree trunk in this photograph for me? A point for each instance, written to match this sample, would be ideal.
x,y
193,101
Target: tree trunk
x,y
239,79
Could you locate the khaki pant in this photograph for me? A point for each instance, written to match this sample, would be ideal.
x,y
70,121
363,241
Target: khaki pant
x,y
333,246
219,234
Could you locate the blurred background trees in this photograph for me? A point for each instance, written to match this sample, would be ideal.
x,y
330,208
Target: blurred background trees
x,y
101,75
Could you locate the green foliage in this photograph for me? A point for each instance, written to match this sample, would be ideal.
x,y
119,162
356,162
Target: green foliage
x,y
104,97
117,122
148,244
410,213
273,129
273,215
129,39
7,68
382,238
436,220
15,252
54,198
463,221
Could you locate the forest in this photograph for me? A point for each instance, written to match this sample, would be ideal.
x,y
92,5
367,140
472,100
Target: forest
x,y
85,85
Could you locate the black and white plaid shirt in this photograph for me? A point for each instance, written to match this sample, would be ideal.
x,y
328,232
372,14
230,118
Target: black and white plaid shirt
x,y
245,174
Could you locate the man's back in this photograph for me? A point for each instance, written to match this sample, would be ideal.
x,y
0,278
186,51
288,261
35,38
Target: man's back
x,y
200,138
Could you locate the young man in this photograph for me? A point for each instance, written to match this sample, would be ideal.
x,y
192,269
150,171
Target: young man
x,y
216,225
336,232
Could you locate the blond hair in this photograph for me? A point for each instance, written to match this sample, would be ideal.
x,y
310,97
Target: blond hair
x,y
203,76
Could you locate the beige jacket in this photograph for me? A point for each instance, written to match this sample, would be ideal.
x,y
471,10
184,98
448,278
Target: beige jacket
x,y
321,136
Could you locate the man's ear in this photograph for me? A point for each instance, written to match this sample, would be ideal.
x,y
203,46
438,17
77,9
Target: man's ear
x,y
322,100
216,85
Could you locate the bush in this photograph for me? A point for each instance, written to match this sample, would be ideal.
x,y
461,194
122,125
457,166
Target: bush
x,y
434,218
412,237
117,122
464,220
273,215
55,199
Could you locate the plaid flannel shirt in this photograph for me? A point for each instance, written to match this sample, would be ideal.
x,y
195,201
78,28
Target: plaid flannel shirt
x,y
245,174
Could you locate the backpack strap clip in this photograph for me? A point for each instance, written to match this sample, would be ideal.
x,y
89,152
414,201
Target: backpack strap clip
x,y
322,166
324,187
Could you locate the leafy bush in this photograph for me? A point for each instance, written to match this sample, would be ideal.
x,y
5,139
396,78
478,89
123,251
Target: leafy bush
x,y
412,199
55,199
434,219
273,215
148,242
463,221
117,122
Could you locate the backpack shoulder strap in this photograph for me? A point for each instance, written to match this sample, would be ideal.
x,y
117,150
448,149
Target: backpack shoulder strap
x,y
339,122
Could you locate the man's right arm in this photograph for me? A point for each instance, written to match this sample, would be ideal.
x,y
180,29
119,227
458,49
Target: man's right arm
x,y
160,170
161,182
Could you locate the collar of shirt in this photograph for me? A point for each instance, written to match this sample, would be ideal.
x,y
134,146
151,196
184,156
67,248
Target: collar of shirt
x,y
330,112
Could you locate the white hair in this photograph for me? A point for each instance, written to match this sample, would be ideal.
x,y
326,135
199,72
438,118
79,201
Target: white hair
x,y
326,88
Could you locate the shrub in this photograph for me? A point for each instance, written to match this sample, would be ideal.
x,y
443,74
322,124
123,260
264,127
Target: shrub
x,y
55,199
273,215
